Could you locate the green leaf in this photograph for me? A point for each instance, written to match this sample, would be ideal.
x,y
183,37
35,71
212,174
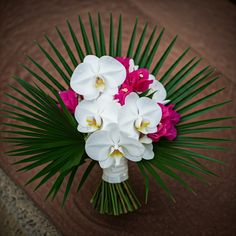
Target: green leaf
x,y
163,57
56,186
86,174
67,47
75,159
140,43
196,145
202,122
206,129
144,55
111,39
181,74
69,184
45,72
176,151
200,139
197,102
85,37
76,42
101,36
187,85
201,111
154,50
179,166
166,75
192,84
54,64
60,57
94,35
158,179
119,38
132,40
173,175
143,172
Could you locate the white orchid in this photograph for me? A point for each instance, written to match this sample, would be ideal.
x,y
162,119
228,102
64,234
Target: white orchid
x,y
139,115
159,91
109,146
96,76
96,114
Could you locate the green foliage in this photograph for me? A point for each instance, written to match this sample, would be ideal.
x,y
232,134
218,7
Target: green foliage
x,y
115,199
47,135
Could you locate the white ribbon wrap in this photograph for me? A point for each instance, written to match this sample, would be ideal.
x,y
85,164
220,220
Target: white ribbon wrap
x,y
116,174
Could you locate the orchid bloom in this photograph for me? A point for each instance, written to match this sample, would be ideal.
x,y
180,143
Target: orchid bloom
x,y
96,76
159,91
139,115
96,114
109,146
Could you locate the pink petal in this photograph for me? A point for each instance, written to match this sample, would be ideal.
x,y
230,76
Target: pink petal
x,y
124,91
138,79
70,99
125,62
166,128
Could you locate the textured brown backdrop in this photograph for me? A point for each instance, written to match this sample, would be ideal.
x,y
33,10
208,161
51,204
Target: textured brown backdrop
x,y
212,33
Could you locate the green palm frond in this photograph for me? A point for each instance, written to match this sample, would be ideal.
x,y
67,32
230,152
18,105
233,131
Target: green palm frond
x,y
48,137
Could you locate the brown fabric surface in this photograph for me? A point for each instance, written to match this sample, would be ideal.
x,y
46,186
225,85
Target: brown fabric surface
x,y
211,212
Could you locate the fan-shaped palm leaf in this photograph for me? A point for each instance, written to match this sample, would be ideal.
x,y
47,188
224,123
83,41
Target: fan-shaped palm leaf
x,y
48,137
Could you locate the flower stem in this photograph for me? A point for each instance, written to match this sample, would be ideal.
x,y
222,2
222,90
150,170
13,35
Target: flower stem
x,y
115,199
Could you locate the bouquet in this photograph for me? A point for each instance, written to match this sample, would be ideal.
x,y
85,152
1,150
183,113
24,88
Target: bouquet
x,y
108,108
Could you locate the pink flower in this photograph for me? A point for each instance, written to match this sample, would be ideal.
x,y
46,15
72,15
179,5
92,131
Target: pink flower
x,y
125,61
124,91
166,127
70,99
139,80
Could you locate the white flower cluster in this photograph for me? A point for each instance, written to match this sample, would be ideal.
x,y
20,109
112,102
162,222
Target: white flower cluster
x,y
115,132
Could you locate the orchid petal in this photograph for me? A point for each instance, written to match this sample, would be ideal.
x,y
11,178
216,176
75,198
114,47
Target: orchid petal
x,y
150,111
132,148
160,91
107,163
107,109
165,102
114,132
82,79
112,71
93,62
132,157
148,153
98,145
128,114
86,110
145,139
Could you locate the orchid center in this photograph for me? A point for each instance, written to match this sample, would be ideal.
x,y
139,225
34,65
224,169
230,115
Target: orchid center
x,y
100,83
92,122
125,90
141,124
116,152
